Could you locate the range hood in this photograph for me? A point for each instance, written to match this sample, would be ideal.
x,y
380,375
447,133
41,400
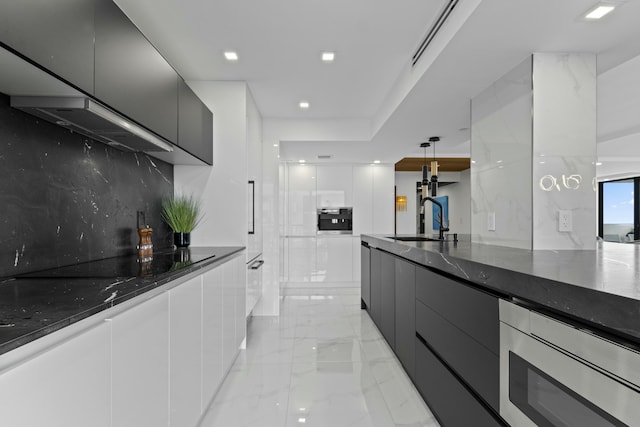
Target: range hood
x,y
87,117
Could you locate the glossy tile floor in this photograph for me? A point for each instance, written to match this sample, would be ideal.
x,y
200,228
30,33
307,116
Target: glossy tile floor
x,y
321,363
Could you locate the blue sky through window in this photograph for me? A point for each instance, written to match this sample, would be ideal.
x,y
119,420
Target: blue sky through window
x,y
617,202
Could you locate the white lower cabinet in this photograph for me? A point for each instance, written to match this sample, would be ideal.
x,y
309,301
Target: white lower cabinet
x,y
66,386
228,316
334,259
185,353
140,364
211,333
301,260
157,363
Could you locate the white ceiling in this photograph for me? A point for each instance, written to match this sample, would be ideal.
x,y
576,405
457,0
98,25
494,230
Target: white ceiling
x,y
279,44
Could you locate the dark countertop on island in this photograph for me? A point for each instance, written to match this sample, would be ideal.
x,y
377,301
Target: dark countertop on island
x,y
36,304
599,289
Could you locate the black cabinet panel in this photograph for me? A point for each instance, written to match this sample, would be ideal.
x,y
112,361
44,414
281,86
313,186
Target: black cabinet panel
x,y
405,298
365,276
451,402
195,124
58,35
388,295
375,308
131,76
479,367
471,310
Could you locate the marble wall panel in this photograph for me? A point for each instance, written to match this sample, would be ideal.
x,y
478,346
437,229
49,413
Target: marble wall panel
x,y
66,199
564,149
501,160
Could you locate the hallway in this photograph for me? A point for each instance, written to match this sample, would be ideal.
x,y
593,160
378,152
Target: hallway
x,y
321,363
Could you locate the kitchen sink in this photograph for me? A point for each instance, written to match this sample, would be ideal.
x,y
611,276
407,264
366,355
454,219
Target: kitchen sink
x,y
413,238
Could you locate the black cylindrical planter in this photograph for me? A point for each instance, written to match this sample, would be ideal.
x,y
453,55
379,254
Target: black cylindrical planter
x,y
182,240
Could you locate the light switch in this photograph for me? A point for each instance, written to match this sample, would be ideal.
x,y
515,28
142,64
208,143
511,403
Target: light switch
x,y
491,221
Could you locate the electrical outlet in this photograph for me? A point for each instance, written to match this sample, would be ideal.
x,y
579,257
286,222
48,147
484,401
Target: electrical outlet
x,y
491,221
565,221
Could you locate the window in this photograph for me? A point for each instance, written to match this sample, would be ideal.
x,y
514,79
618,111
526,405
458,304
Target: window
x,y
619,216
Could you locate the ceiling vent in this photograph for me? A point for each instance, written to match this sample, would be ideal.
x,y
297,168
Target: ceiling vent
x,y
324,156
433,31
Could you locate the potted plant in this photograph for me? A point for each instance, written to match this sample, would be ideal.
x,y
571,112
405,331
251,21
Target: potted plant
x,y
182,214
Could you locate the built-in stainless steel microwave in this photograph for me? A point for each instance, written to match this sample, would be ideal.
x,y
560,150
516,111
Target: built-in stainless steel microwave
x,y
553,374
335,221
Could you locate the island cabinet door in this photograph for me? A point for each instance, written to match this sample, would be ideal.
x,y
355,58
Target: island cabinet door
x,y
448,398
67,386
140,376
375,308
405,299
185,353
365,276
388,295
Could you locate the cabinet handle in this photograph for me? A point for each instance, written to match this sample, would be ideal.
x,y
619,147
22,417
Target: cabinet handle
x,y
256,265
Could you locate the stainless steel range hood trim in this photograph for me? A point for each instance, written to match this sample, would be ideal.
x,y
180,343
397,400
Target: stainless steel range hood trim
x,y
115,118
42,106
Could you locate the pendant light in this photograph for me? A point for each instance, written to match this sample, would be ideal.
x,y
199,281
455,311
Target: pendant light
x,y
425,171
434,167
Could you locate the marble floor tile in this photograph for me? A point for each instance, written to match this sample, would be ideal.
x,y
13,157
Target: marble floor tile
x,y
326,327
327,350
335,394
251,395
403,401
322,362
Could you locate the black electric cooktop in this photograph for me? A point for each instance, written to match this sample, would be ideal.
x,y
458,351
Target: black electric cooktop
x,y
123,266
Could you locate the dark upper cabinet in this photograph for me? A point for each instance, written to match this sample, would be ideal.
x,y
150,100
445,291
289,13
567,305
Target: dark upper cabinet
x,y
130,74
57,35
195,124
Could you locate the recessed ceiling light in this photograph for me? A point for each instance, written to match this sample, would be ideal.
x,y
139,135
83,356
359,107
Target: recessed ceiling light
x,y
599,10
275,145
328,56
301,161
499,161
231,56
376,161
598,163
304,104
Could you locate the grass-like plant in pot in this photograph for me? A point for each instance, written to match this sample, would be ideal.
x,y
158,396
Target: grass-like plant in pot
x,y
182,214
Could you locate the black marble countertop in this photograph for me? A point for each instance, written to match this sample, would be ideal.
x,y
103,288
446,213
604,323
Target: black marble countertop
x,y
36,304
597,288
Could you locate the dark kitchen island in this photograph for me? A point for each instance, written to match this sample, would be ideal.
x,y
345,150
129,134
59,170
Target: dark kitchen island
x,y
437,304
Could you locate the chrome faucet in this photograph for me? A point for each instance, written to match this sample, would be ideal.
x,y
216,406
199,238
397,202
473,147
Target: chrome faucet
x,y
440,219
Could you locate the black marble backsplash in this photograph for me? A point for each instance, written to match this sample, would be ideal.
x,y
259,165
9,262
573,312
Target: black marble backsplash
x,y
65,198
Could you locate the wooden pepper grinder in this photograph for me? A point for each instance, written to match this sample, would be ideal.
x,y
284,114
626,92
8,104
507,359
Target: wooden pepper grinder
x,y
145,244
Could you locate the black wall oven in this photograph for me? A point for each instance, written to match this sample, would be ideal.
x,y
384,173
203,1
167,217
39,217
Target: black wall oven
x,y
553,374
335,221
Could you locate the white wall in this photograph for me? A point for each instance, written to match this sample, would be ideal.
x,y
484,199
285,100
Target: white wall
x,y
459,201
223,186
